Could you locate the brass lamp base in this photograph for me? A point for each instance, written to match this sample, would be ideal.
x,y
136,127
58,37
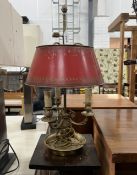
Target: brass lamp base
x,y
64,148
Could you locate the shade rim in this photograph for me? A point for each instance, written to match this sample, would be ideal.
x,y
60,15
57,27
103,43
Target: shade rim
x,y
66,45
66,66
62,87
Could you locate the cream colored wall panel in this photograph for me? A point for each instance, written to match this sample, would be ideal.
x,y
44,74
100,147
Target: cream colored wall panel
x,y
11,36
6,37
18,39
31,41
29,46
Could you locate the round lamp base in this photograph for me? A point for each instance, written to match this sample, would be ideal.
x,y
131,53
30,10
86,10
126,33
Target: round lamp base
x,y
65,146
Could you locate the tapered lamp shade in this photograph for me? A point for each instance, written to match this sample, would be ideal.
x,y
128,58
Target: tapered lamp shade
x,y
64,66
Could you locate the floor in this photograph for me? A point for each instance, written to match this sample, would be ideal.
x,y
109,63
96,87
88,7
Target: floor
x,y
23,142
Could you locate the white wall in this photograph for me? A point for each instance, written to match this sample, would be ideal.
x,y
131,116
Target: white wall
x,y
101,36
40,12
120,6
117,7
101,8
83,36
109,9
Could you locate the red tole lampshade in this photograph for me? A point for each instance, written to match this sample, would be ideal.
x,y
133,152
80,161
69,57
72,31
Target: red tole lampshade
x,y
64,66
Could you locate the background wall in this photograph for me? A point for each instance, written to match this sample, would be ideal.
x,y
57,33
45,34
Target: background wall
x,y
40,12
107,11
104,12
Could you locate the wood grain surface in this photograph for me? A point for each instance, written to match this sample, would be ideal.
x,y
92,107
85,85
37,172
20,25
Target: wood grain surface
x,y
118,127
99,101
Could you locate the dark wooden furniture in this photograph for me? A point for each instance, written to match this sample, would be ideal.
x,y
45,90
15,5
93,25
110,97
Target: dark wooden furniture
x,y
84,161
75,102
115,138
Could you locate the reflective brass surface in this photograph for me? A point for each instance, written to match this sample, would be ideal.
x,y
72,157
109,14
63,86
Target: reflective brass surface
x,y
67,148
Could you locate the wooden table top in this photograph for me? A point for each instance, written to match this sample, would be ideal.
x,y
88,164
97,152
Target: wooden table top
x,y
118,127
99,101
13,95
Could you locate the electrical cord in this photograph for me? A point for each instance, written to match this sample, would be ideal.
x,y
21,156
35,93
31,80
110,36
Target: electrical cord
x,y
5,148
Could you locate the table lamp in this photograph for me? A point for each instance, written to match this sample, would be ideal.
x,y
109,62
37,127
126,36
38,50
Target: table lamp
x,y
64,66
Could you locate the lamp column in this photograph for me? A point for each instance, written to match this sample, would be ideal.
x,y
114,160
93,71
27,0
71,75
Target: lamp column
x,y
29,120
